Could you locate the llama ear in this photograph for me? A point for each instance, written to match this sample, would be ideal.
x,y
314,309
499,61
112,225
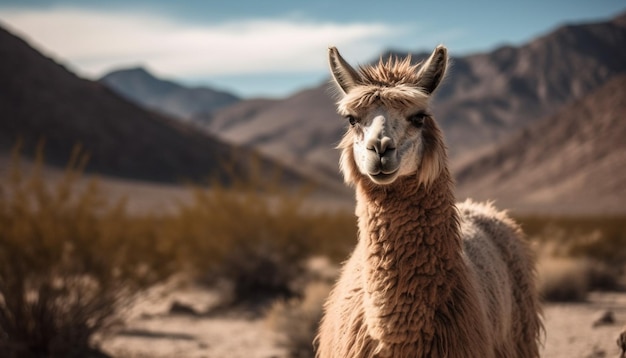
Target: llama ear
x,y
344,75
433,70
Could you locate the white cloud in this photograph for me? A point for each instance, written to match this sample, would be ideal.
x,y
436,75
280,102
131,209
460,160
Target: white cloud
x,y
94,42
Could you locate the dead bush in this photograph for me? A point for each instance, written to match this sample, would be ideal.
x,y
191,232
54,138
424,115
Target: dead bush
x,y
563,279
67,259
257,235
578,254
257,239
297,320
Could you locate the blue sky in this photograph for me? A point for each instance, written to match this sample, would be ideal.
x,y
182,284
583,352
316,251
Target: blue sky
x,y
272,48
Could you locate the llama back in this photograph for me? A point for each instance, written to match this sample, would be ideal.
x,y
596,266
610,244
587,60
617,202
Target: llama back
x,y
503,264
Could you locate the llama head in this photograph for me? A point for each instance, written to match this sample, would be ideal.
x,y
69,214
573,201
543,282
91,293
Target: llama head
x,y
392,132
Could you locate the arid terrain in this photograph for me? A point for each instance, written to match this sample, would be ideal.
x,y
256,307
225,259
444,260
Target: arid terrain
x,y
156,332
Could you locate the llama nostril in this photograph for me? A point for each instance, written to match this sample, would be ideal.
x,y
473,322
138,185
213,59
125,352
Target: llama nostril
x,y
374,146
380,146
386,144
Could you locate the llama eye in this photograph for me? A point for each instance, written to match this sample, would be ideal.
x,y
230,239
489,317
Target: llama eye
x,y
417,119
352,120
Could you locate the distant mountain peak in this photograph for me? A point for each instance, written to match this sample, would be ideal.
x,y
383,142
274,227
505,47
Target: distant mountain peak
x,y
135,70
145,89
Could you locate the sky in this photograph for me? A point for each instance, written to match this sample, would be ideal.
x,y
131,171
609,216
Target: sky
x,y
272,48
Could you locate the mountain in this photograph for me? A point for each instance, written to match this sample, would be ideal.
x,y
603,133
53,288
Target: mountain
x,y
170,98
484,98
490,95
571,162
300,131
40,99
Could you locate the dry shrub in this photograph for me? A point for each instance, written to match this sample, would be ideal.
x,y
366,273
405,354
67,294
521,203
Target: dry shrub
x,y
335,234
67,259
578,254
257,235
604,277
297,320
563,279
239,234
601,238
569,279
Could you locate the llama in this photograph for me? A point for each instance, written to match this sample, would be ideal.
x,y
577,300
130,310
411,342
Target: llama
x,y
426,278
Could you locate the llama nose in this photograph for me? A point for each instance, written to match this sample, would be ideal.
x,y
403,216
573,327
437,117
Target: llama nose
x,y
380,145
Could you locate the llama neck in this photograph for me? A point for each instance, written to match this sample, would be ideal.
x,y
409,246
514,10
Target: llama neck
x,y
410,235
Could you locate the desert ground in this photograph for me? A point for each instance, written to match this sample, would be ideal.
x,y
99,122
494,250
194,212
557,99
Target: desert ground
x,y
183,324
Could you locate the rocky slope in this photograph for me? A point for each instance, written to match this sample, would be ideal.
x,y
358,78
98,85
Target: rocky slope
x,y
142,88
571,162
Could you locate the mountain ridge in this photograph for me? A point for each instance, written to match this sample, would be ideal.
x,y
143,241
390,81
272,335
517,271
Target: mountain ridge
x,y
571,162
141,87
42,100
484,98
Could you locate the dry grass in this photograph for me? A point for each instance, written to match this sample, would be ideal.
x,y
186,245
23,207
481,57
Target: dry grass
x,y
256,235
578,254
67,259
297,320
239,234
601,238
563,279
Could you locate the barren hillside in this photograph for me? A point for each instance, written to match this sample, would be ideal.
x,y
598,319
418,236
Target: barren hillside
x,y
571,162
41,100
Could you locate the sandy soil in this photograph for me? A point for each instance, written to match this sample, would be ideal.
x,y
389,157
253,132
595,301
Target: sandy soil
x,y
155,331
570,330
180,336
196,329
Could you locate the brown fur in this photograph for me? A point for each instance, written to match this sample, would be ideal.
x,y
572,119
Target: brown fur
x,y
426,279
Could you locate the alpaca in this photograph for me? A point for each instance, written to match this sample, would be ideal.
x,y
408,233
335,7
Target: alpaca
x,y
426,278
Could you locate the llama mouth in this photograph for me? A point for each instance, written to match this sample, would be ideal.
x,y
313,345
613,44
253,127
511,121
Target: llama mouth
x,y
384,178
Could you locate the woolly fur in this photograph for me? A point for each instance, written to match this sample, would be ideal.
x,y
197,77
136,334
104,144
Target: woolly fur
x,y
427,278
